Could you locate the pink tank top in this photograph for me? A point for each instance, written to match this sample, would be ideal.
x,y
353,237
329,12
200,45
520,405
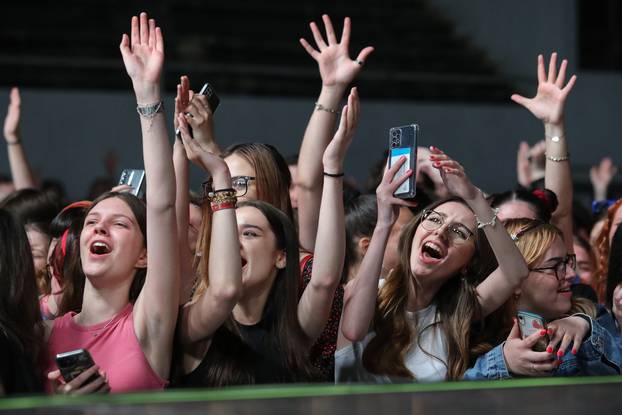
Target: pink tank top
x,y
114,347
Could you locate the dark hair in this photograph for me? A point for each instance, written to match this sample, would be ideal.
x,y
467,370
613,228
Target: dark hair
x,y
31,207
543,201
282,305
272,174
614,272
139,210
360,219
20,316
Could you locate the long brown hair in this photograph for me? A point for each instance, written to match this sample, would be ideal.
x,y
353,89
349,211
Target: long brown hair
x,y
457,306
285,332
602,252
272,175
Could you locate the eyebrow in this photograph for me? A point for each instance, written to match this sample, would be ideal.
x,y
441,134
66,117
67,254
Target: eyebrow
x,y
555,260
250,225
115,216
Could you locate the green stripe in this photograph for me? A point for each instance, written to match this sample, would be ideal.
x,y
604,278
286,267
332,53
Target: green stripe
x,y
289,391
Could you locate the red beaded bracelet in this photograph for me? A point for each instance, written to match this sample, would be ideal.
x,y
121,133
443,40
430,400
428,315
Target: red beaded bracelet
x,y
223,205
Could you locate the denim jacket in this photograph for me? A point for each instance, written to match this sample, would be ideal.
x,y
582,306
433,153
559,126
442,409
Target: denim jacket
x,y
600,354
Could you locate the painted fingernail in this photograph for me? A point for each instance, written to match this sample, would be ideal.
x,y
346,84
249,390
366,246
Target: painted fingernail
x,y
437,164
549,349
550,331
574,351
542,332
560,353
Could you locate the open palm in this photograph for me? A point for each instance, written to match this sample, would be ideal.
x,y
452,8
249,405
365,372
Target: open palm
x,y
143,53
548,104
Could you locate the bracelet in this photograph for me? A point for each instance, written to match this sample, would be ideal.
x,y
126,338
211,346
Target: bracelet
x,y
321,107
223,205
492,222
13,143
333,174
558,159
150,110
556,138
223,197
225,190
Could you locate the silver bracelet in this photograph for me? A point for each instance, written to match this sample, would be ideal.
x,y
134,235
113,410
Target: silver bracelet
x,y
492,222
150,110
321,107
558,159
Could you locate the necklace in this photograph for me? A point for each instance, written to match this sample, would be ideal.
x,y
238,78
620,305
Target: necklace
x,y
103,328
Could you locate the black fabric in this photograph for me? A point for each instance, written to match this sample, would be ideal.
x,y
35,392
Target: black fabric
x,y
18,372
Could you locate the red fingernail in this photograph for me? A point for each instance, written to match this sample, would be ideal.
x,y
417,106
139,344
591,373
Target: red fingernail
x,y
437,164
549,349
550,331
560,353
574,351
542,332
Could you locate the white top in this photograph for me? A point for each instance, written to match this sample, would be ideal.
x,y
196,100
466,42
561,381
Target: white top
x,y
426,367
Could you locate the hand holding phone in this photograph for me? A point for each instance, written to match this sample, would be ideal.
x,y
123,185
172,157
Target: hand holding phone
x,y
80,374
135,178
403,143
529,323
212,101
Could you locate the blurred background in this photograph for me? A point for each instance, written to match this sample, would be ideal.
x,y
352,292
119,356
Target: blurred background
x,y
448,65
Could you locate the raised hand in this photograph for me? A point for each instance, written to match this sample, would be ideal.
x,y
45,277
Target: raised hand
x,y
202,157
567,330
521,359
336,150
195,109
523,168
11,122
332,56
143,56
601,175
453,175
548,104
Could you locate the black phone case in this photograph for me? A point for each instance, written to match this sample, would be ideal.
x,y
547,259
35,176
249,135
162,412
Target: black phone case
x,y
71,364
403,142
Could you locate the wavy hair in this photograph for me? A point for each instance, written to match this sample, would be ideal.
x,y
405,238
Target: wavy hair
x,y
603,245
456,301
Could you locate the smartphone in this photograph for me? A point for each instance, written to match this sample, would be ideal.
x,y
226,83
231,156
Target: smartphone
x,y
136,179
72,363
403,142
212,101
530,323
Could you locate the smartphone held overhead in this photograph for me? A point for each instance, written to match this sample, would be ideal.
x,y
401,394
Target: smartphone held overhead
x,y
212,101
135,178
403,143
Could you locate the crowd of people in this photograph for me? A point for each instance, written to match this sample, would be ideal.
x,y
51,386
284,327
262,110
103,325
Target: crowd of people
x,y
280,270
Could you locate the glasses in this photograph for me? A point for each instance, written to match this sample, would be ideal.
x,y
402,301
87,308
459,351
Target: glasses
x,y
458,233
560,268
238,183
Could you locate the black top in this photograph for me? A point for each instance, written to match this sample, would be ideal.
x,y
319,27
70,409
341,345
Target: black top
x,y
18,372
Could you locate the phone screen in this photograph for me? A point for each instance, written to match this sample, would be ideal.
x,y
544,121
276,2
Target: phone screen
x,y
396,154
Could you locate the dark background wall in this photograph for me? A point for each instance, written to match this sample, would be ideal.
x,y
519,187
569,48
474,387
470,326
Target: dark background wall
x,y
67,131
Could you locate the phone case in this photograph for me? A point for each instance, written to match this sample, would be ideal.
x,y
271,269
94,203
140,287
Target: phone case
x,y
530,323
72,363
403,142
136,179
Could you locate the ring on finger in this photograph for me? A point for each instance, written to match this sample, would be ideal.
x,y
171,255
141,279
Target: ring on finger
x,y
189,114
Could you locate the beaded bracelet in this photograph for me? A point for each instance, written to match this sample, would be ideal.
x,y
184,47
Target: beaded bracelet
x,y
558,159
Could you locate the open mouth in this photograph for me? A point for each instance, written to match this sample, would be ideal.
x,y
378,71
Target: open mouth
x,y
564,290
100,248
433,251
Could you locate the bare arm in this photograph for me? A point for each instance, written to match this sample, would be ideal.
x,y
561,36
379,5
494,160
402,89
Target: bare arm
x,y
315,303
548,106
155,310
361,293
512,270
337,71
20,169
201,318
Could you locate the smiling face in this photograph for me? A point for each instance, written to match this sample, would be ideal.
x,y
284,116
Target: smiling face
x,y
261,257
434,257
111,243
541,292
239,166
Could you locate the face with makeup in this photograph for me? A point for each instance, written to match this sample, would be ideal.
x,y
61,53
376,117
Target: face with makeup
x,y
261,257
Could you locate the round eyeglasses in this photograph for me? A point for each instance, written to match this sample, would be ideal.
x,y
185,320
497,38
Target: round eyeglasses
x,y
457,233
560,268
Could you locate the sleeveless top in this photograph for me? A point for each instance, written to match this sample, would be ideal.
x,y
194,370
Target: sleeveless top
x,y
114,347
322,353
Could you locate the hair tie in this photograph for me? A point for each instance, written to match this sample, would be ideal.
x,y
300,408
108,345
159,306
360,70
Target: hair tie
x,y
79,204
63,242
547,197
